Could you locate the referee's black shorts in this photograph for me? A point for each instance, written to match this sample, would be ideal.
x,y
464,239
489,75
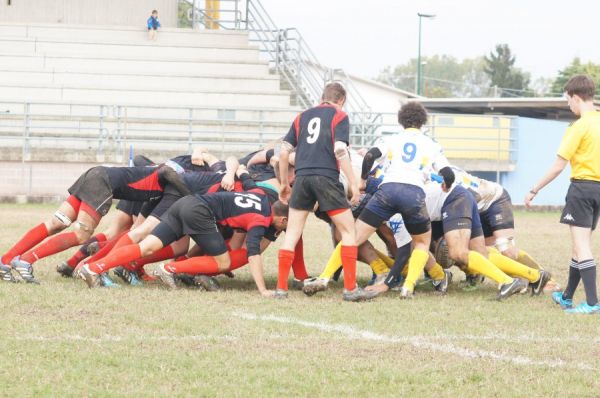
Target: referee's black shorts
x,y
582,207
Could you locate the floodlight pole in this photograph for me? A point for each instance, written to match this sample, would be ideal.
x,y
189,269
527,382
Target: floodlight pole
x,y
418,84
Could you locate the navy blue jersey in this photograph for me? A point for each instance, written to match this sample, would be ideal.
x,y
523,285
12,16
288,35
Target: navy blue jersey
x,y
185,161
136,183
201,181
313,134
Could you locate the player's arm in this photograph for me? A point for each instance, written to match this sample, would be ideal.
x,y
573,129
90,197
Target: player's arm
x,y
253,242
247,182
231,166
197,156
343,157
290,141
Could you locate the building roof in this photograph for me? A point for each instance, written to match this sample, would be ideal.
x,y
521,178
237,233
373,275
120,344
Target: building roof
x,y
539,108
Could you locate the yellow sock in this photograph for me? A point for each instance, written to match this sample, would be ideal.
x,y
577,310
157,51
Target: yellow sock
x,y
405,271
513,268
436,272
386,259
478,264
379,267
416,264
525,259
334,262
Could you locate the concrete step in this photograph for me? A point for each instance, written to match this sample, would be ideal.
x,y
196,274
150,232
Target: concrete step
x,y
99,95
93,64
220,53
129,35
139,81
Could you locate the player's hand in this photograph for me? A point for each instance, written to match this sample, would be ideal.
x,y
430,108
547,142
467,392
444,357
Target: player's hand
x,y
241,170
362,185
528,199
267,293
380,288
355,195
228,182
285,193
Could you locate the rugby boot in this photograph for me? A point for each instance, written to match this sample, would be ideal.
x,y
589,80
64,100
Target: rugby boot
x,y
508,289
6,274
584,308
209,283
406,293
314,285
280,294
557,297
24,269
538,286
107,281
64,270
358,294
91,278
166,277
131,278
442,286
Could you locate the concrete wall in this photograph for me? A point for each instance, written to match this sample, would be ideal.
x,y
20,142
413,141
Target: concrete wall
x,y
89,12
538,141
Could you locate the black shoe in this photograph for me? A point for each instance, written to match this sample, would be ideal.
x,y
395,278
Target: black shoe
x,y
6,274
209,283
508,289
64,270
442,286
131,278
186,279
537,287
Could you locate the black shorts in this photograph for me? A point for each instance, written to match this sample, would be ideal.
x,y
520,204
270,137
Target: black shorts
x,y
498,216
93,187
308,190
582,206
392,198
129,207
459,211
356,210
191,216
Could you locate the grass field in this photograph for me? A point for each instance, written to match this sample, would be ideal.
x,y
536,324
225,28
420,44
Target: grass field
x,y
63,339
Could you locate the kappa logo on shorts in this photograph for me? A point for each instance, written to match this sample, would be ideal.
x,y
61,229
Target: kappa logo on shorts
x,y
444,215
462,224
498,217
568,217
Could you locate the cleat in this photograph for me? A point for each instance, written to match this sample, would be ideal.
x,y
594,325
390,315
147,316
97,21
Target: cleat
x,y
557,297
107,281
405,293
538,286
314,285
442,286
472,282
280,294
187,280
508,289
209,283
379,279
166,277
24,269
396,284
6,274
298,284
64,270
131,278
584,308
93,248
358,294
91,278
229,274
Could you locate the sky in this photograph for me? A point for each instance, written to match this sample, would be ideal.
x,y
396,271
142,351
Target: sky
x,y
364,36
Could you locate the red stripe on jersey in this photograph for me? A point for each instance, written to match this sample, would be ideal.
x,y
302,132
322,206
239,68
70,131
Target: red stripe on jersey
x,y
337,118
149,183
297,127
237,187
247,221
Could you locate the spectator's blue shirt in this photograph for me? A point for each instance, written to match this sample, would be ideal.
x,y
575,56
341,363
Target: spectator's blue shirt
x,y
153,23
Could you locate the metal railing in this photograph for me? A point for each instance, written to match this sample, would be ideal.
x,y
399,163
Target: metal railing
x,y
288,54
108,130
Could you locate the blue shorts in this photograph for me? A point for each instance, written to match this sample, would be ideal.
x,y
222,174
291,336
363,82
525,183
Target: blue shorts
x,y
392,198
459,211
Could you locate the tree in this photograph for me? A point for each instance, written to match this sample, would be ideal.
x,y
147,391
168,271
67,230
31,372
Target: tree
x,y
443,76
575,68
510,80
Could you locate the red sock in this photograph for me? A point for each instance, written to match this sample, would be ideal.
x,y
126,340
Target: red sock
x,y
122,255
55,244
349,254
34,236
298,264
83,250
124,240
166,253
207,265
286,258
107,248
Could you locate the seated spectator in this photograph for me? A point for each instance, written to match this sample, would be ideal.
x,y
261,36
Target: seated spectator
x,y
153,25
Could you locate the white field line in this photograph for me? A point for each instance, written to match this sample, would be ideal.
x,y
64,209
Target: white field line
x,y
423,342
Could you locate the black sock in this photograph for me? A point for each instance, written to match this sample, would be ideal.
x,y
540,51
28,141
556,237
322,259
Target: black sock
x,y
574,278
587,270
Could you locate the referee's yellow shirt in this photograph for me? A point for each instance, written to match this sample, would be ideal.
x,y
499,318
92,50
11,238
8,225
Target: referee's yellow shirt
x,y
581,146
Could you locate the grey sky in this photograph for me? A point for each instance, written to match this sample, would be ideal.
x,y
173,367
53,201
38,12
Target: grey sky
x,y
370,34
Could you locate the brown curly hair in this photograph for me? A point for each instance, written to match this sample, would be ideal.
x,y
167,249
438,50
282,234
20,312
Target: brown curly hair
x,y
412,115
